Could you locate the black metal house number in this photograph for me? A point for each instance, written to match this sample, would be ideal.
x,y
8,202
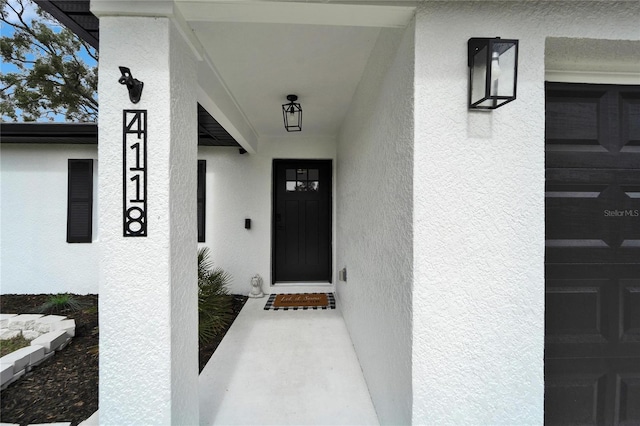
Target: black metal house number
x,y
134,176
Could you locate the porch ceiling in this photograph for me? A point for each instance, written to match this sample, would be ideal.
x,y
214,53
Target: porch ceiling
x,y
261,63
262,51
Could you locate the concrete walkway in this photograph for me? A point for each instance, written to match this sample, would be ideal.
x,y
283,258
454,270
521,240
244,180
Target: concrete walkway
x,y
285,368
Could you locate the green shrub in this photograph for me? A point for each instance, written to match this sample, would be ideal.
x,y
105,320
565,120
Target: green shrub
x,y
214,301
60,303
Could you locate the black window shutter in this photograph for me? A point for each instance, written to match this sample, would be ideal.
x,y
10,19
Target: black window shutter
x,y
80,201
202,172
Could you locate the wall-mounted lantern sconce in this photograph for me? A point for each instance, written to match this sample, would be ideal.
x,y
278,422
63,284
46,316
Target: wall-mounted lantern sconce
x,y
292,114
493,72
133,84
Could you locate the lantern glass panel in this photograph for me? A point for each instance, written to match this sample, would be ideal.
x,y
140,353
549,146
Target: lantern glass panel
x,y
505,65
292,114
479,75
493,72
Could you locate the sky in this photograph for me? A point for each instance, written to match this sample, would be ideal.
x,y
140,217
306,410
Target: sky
x,y
29,14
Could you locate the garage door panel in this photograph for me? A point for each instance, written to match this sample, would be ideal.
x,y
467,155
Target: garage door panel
x,y
575,399
630,310
576,311
579,157
627,406
592,310
630,119
573,117
567,178
607,213
609,394
578,391
590,251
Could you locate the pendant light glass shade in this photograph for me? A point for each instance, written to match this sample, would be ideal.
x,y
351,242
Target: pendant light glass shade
x,y
292,114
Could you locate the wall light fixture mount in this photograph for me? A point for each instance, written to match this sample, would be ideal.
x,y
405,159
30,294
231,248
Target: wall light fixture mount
x,y
493,72
292,114
133,84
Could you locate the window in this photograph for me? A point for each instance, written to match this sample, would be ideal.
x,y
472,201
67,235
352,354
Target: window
x,y
80,201
302,180
202,172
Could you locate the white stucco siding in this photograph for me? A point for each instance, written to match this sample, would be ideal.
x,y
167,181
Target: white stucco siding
x,y
34,255
374,195
183,216
478,304
148,285
239,187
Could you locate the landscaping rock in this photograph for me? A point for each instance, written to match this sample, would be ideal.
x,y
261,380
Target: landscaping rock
x,y
43,325
23,321
6,373
15,377
51,341
4,322
6,334
23,358
51,424
94,420
30,334
36,354
44,358
19,359
68,326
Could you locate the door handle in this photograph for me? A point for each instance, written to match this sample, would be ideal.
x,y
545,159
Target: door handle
x,y
279,221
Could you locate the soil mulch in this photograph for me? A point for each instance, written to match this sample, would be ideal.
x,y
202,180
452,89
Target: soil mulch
x,y
65,387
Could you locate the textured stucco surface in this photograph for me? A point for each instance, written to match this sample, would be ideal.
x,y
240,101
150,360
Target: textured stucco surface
x,y
374,195
183,233
239,187
148,285
478,303
34,254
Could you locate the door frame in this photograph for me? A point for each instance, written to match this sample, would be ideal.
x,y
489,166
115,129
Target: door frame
x,y
277,161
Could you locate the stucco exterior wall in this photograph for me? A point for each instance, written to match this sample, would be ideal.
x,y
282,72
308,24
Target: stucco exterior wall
x,y
34,254
34,208
375,152
148,285
478,301
239,187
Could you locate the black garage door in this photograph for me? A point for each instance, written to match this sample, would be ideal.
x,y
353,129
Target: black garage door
x,y
592,350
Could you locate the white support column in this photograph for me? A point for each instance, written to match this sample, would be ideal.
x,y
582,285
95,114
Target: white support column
x,y
148,285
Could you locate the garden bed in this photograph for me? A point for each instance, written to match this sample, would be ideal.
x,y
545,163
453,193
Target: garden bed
x,y
65,387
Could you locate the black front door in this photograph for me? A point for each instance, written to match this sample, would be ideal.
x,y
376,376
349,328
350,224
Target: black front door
x,y
301,221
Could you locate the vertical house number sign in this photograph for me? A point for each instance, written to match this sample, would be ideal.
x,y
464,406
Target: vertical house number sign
x,y
134,176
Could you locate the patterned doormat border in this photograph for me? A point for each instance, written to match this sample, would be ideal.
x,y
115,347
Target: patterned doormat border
x,y
330,298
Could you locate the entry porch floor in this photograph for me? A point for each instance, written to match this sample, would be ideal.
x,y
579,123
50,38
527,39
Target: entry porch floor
x,y
285,368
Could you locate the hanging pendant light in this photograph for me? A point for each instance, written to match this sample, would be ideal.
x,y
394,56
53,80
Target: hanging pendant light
x,y
292,114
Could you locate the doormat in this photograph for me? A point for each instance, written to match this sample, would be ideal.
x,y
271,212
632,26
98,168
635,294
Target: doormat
x,y
302,301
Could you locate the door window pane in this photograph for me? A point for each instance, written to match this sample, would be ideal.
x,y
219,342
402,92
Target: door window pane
x,y
302,180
